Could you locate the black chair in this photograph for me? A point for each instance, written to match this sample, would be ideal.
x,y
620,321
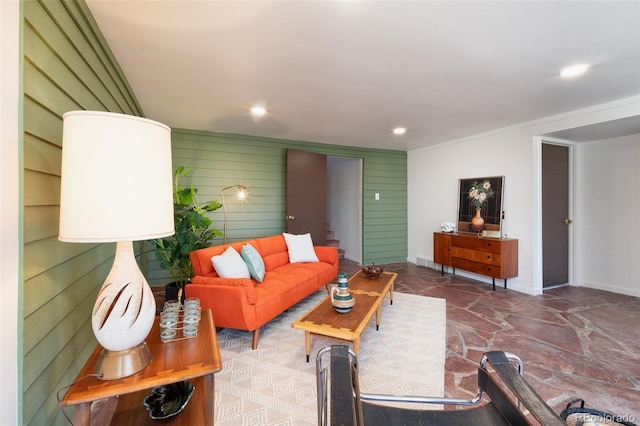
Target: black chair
x,y
340,401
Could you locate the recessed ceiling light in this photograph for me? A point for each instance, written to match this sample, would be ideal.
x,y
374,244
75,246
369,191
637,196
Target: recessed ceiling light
x,y
258,111
399,131
574,70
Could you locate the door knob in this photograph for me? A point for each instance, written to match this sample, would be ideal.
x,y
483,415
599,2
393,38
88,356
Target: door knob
x,y
290,217
567,221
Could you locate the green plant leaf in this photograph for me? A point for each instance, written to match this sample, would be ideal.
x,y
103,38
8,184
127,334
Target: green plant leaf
x,y
192,230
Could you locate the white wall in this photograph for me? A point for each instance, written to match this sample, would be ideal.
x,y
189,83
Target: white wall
x,y
608,251
344,185
513,152
10,275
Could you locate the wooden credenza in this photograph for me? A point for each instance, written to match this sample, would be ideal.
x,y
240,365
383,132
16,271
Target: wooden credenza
x,y
492,257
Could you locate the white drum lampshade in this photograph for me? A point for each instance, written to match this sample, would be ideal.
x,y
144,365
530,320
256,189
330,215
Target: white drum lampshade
x,y
117,187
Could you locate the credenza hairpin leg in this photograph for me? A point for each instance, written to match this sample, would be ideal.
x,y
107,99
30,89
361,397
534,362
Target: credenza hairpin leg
x,y
453,270
494,283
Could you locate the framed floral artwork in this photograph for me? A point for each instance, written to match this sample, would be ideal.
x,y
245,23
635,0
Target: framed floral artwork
x,y
480,204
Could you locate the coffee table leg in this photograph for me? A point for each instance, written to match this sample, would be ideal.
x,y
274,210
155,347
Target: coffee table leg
x,y
356,346
307,343
378,318
391,292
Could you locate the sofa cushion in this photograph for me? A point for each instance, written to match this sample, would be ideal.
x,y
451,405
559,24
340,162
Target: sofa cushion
x,y
254,262
201,259
273,250
230,265
284,289
299,272
300,248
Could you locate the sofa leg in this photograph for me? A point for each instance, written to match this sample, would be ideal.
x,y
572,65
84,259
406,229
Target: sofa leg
x,y
254,342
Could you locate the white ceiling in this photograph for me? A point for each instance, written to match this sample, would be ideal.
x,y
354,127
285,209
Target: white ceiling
x,y
595,132
347,72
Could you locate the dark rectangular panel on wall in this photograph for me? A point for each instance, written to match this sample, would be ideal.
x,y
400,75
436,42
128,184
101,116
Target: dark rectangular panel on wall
x,y
306,200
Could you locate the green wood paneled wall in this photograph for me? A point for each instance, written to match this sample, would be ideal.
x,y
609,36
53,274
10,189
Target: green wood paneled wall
x,y
220,160
66,66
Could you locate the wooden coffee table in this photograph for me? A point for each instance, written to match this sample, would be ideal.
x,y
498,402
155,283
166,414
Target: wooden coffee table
x,y
323,320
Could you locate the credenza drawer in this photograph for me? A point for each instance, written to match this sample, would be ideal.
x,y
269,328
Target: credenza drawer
x,y
479,268
474,243
476,256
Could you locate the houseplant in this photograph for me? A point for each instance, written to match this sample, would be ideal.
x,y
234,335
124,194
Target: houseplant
x,y
193,231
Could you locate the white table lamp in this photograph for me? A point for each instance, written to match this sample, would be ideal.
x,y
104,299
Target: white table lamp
x,y
117,187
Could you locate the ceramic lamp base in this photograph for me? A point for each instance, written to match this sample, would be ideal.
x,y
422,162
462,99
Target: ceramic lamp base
x,y
113,365
125,307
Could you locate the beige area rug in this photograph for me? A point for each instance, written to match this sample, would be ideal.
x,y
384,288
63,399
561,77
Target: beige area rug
x,y
274,385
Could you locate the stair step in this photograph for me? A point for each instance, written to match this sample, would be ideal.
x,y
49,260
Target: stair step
x,y
340,254
333,243
330,235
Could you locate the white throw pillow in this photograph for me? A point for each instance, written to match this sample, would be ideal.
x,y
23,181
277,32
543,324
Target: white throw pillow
x,y
300,248
230,265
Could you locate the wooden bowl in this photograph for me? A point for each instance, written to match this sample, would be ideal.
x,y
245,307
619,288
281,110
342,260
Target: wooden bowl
x,y
372,271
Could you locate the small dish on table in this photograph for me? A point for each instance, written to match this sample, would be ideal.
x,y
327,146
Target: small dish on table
x,y
168,400
372,271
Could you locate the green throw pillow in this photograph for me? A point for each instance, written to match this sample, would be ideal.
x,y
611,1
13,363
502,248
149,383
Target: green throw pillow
x,y
254,262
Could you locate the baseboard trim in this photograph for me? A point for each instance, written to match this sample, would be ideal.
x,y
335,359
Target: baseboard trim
x,y
609,288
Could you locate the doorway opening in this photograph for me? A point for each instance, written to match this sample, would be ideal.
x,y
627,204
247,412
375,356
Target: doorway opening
x,y
344,204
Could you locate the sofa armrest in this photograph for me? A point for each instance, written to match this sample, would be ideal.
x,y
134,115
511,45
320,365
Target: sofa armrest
x,y
244,285
327,254
228,304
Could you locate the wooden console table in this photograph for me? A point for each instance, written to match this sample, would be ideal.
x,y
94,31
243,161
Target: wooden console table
x,y
492,257
194,359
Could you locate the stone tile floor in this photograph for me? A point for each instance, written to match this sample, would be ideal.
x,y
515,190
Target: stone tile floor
x,y
574,341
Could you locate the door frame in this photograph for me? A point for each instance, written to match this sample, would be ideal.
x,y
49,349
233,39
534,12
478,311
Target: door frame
x,y
537,216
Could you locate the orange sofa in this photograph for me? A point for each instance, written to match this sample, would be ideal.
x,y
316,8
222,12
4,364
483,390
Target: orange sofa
x,y
245,304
